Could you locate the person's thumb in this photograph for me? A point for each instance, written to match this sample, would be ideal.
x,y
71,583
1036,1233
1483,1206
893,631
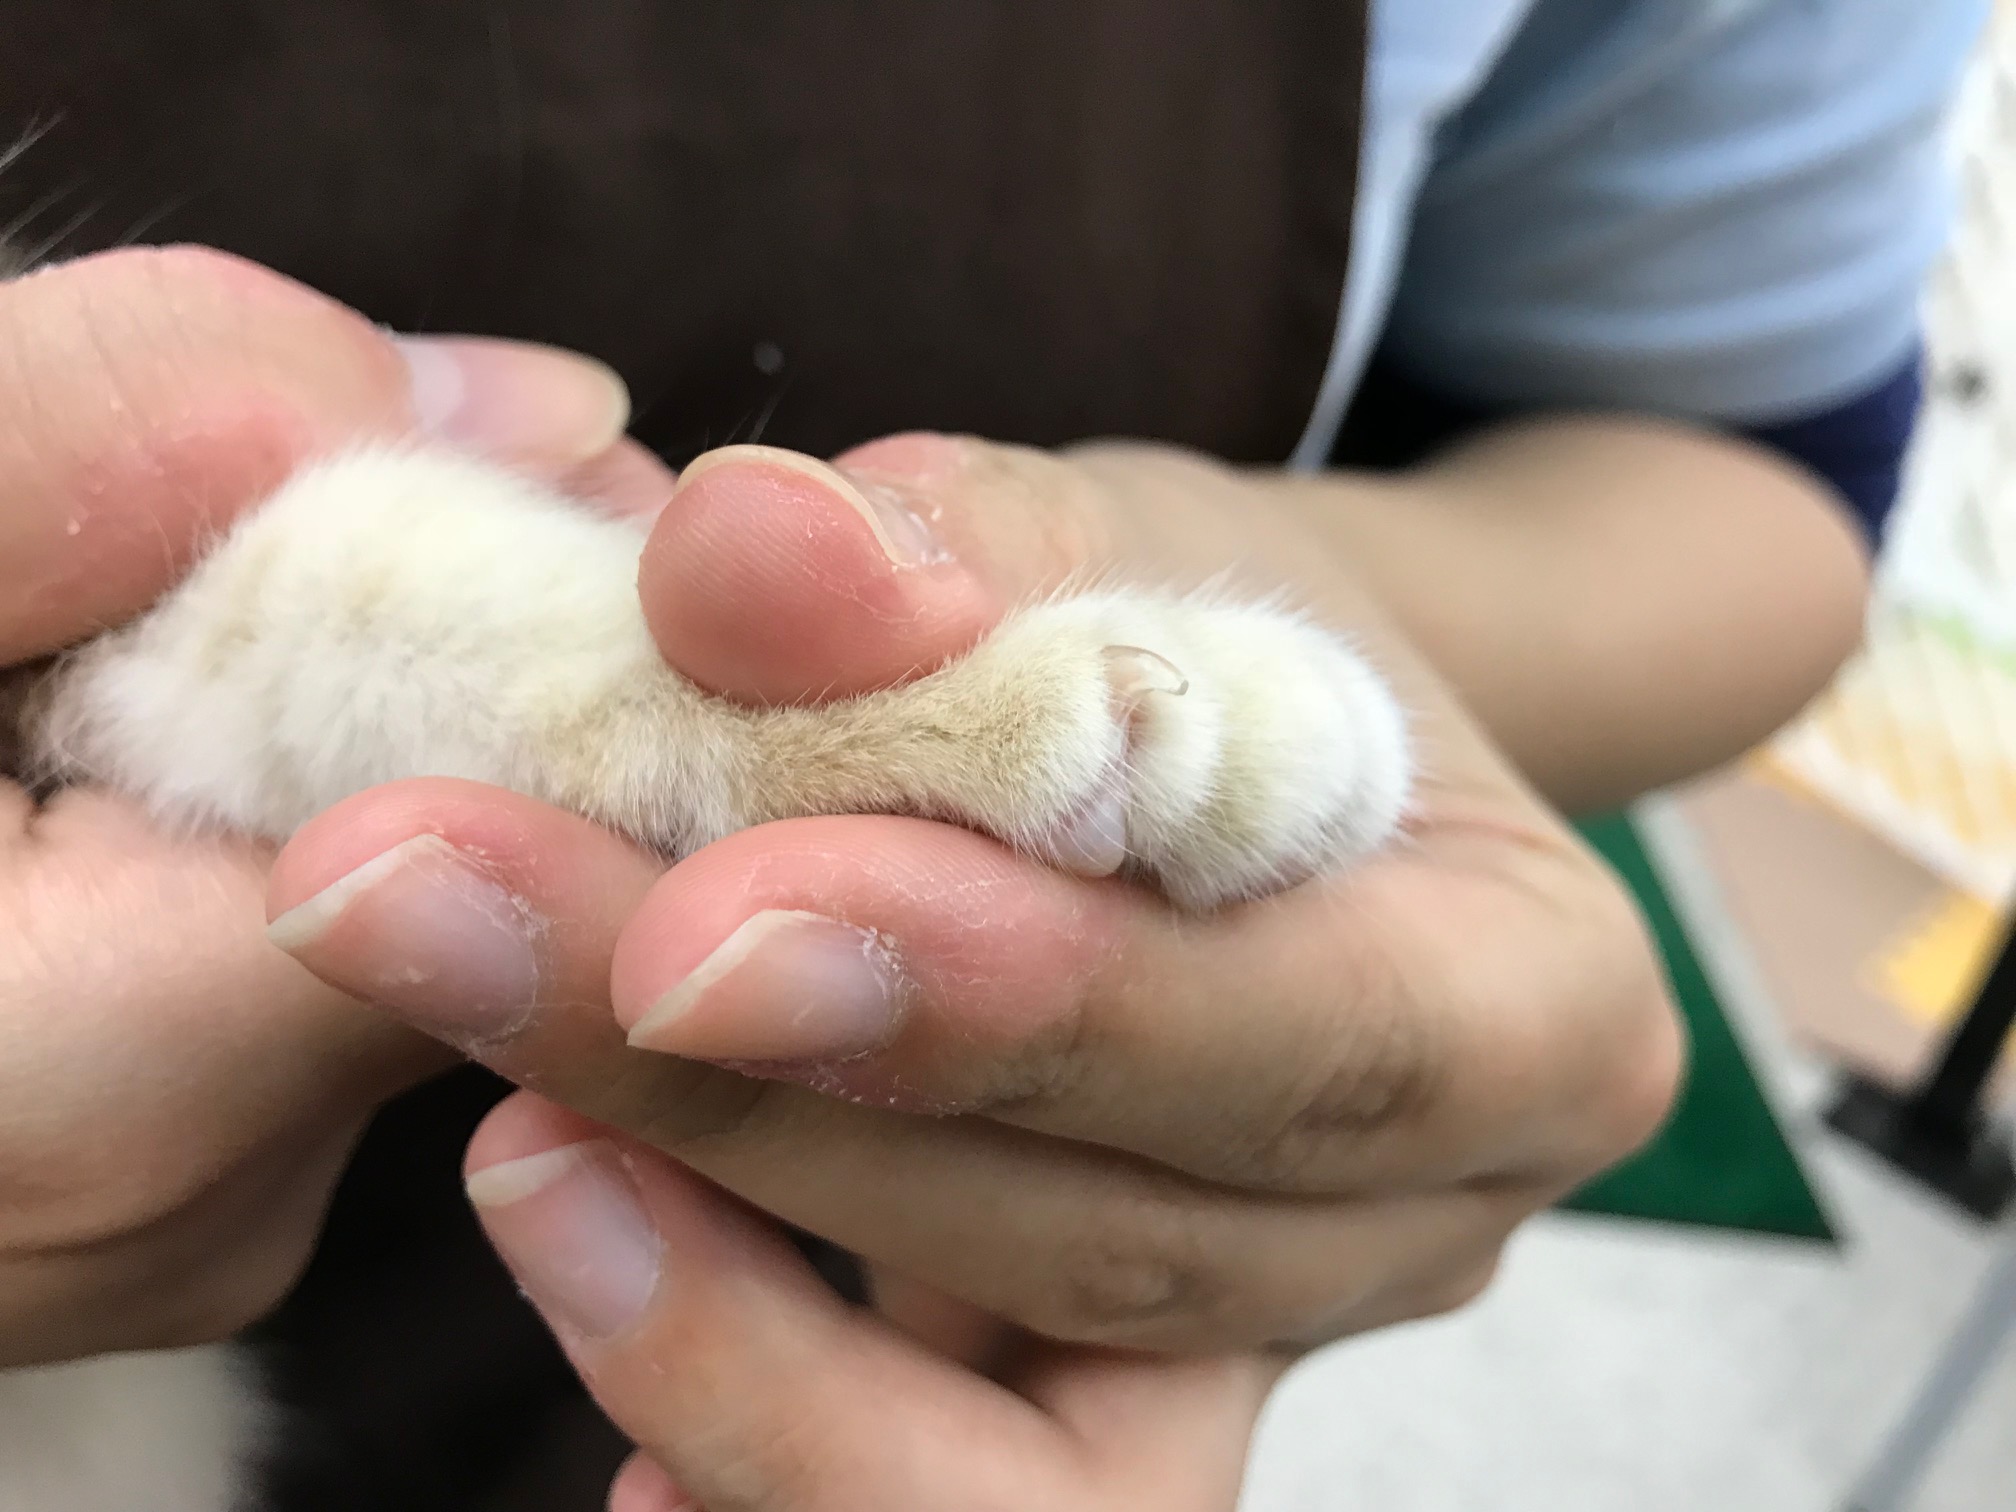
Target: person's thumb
x,y
774,578
148,395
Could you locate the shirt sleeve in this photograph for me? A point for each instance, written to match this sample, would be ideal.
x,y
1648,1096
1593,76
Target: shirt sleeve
x,y
1722,210
1857,446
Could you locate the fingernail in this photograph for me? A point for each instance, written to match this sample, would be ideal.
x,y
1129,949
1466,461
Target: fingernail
x,y
901,532
513,400
786,986
570,1224
425,932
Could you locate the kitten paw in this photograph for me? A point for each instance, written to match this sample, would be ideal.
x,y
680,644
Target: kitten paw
x,y
1223,750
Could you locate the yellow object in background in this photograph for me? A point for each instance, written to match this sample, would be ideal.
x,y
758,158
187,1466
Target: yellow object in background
x,y
1934,971
1917,741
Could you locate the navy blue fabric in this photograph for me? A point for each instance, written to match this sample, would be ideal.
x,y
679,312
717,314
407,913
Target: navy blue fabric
x,y
1859,446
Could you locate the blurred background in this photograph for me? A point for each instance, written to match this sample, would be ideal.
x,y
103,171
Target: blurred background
x,y
1745,1317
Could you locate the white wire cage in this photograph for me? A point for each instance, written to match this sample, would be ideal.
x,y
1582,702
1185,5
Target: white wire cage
x,y
1917,738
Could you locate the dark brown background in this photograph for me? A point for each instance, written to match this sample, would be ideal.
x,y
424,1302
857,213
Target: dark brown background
x,y
1034,219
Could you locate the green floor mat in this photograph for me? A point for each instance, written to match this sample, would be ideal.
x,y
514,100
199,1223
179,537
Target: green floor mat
x,y
1722,1160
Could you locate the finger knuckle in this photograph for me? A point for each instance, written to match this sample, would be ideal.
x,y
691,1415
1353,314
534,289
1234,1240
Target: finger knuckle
x,y
1049,1067
683,1108
1144,1276
749,1450
1371,1072
1063,505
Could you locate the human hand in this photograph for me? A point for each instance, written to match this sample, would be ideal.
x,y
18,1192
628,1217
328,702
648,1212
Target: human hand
x,y
176,1097
712,1343
1076,1111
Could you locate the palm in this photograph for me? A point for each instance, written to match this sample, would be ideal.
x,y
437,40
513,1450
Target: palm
x,y
179,1094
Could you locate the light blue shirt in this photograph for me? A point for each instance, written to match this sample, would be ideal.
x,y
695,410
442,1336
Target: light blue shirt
x,y
1719,209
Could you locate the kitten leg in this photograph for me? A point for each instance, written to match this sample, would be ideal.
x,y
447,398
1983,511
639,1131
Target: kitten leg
x,y
1223,749
393,614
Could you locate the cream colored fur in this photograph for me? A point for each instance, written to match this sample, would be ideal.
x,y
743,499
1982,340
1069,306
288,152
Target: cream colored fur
x,y
400,613
172,1431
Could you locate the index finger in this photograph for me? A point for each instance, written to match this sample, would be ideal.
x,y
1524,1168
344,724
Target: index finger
x,y
148,396
1462,1008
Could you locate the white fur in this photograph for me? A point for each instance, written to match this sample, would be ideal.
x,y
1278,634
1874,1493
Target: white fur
x,y
396,614
173,1431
